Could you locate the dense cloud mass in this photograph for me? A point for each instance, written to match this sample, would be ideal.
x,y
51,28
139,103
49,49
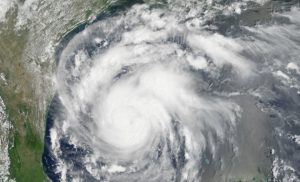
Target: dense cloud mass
x,y
146,94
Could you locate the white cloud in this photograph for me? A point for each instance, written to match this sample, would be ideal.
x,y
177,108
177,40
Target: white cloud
x,y
5,5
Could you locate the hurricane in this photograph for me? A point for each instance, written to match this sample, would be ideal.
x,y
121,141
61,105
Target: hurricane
x,y
154,92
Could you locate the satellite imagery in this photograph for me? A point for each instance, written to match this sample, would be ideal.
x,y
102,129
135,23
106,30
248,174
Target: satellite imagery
x,y
150,90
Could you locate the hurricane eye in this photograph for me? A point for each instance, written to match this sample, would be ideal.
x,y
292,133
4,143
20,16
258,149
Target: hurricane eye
x,y
149,92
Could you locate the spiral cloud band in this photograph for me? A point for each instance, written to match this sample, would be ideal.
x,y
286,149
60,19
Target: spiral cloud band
x,y
134,102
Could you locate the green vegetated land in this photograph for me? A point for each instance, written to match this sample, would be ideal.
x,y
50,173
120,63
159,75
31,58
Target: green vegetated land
x,y
26,143
26,146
